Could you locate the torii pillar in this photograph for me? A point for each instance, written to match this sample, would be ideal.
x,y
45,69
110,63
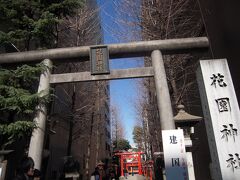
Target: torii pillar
x,y
163,96
37,139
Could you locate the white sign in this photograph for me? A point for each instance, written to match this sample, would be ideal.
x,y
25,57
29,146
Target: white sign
x,y
174,155
221,115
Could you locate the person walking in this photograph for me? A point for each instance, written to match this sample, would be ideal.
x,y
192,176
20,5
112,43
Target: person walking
x,y
37,174
112,175
95,175
25,170
125,172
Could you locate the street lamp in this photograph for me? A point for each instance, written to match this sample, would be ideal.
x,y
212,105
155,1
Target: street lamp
x,y
186,121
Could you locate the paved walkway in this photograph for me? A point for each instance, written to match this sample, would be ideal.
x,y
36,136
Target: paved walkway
x,y
135,177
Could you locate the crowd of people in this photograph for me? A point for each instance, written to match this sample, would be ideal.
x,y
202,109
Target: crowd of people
x,y
97,175
26,171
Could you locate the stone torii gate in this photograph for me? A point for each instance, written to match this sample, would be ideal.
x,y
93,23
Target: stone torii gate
x,y
153,48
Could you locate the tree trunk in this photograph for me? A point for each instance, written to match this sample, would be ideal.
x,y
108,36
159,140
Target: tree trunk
x,y
71,123
89,148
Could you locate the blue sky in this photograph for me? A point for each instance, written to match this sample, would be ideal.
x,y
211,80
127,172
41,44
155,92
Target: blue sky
x,y
122,92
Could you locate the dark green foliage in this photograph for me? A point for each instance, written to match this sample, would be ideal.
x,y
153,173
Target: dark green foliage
x,y
18,100
22,77
13,131
121,144
29,24
26,21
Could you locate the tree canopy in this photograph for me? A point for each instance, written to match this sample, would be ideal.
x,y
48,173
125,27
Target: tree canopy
x,y
29,24
138,136
121,144
33,23
18,99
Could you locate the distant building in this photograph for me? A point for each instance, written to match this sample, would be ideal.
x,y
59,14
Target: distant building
x,y
79,117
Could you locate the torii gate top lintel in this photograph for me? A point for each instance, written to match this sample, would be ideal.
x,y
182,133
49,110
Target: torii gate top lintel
x,y
156,48
168,46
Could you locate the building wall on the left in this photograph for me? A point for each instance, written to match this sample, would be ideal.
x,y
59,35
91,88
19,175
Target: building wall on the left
x,y
89,110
